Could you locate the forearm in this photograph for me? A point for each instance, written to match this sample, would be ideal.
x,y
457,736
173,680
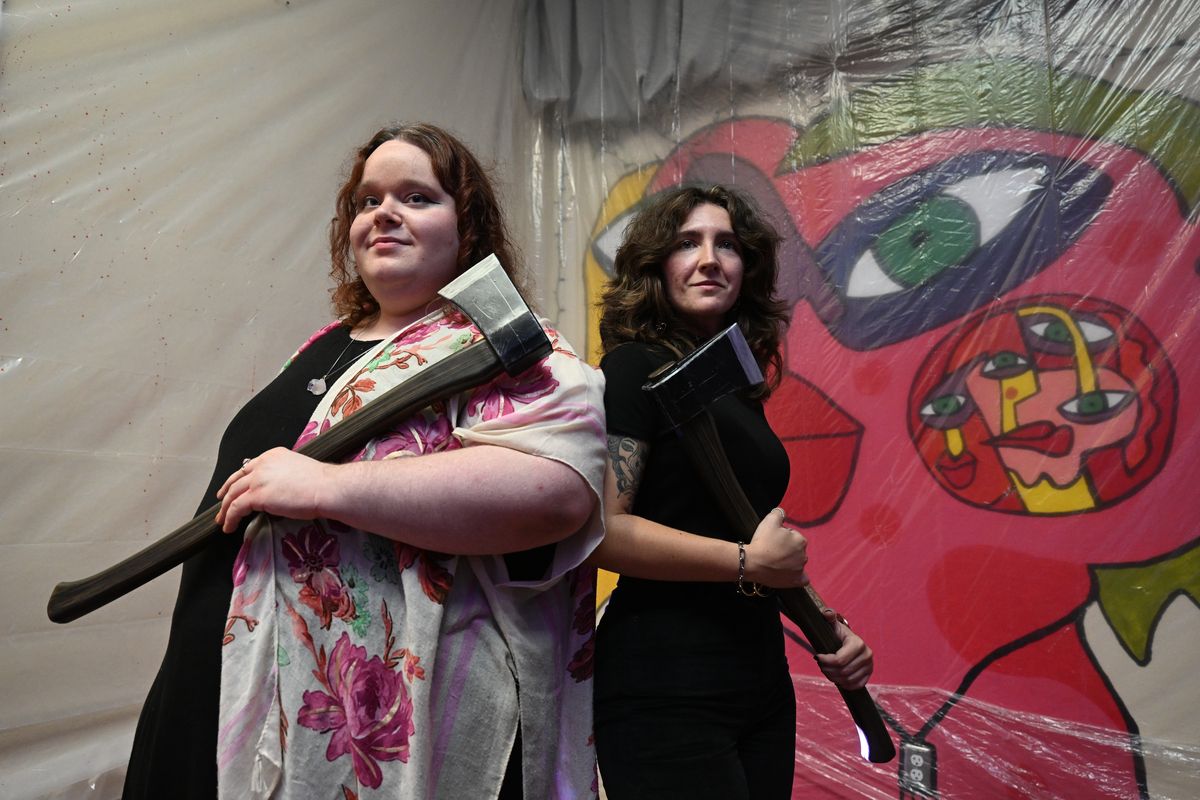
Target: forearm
x,y
640,548
472,501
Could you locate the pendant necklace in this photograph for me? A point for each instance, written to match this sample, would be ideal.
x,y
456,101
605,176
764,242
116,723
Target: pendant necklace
x,y
317,386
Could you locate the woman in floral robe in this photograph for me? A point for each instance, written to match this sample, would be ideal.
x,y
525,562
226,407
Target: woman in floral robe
x,y
378,643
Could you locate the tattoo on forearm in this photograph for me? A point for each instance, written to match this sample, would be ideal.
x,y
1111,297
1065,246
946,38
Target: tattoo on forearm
x,y
628,457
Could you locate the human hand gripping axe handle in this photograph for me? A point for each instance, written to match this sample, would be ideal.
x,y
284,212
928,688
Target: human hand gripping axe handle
x,y
684,391
513,342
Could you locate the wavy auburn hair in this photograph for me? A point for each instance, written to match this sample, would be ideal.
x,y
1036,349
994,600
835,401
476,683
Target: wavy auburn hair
x,y
635,306
481,228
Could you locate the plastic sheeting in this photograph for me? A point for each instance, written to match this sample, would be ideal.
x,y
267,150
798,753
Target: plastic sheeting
x,y
167,173
991,255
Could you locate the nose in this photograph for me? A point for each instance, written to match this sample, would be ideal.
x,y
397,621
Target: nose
x,y
707,254
388,211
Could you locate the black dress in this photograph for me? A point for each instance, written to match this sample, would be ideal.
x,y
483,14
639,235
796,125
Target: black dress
x,y
693,697
174,749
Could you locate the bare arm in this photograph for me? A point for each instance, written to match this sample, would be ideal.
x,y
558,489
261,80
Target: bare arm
x,y
635,546
477,500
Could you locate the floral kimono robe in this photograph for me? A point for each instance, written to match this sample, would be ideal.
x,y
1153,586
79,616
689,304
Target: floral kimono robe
x,y
360,667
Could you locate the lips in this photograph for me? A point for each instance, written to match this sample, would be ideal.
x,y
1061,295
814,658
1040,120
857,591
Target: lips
x,y
1041,437
958,472
386,240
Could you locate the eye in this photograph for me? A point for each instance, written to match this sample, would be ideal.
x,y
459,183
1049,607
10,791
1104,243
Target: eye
x,y
1091,408
936,244
1055,331
1004,365
367,201
946,411
1051,334
416,198
730,244
605,245
1058,332
942,232
684,244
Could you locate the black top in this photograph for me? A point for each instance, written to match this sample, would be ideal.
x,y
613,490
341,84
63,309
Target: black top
x,y
174,749
678,637
671,491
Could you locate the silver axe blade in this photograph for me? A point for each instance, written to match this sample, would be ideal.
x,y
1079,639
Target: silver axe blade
x,y
722,365
513,341
486,294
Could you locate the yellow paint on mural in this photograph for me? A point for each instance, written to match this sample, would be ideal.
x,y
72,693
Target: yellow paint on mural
x,y
625,194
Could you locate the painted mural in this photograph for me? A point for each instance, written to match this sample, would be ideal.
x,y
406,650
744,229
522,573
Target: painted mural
x,y
990,404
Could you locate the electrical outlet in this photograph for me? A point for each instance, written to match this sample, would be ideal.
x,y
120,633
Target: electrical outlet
x,y
918,770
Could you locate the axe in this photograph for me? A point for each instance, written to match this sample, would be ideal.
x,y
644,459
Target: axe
x,y
513,342
684,391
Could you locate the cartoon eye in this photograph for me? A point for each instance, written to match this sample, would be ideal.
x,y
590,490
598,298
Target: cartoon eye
x,y
1091,408
1004,365
604,247
946,411
939,243
943,231
1057,331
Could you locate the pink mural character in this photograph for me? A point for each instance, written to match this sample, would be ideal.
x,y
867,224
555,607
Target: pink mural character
x,y
1053,405
989,366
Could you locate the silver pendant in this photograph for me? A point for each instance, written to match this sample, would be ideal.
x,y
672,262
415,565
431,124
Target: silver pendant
x,y
317,386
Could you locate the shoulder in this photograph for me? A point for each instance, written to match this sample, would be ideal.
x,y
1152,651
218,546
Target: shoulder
x,y
633,360
336,325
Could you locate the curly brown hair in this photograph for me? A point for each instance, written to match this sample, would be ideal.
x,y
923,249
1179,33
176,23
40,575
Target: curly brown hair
x,y
635,306
481,228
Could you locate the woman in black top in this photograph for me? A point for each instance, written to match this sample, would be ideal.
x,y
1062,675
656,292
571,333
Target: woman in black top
x,y
693,696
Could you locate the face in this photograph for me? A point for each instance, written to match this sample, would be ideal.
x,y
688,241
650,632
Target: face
x,y
405,234
703,273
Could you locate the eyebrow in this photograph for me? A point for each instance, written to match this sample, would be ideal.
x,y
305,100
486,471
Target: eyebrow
x,y
697,231
407,183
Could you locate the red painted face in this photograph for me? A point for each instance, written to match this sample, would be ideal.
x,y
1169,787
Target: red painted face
x,y
1010,411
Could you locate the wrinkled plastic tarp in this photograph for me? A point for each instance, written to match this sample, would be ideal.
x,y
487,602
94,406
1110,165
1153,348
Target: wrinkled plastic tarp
x,y
990,254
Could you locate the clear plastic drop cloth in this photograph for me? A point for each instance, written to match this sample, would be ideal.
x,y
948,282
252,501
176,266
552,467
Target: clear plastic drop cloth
x,y
990,254
167,176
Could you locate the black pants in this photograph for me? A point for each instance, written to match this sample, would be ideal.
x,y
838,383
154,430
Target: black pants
x,y
693,698
736,746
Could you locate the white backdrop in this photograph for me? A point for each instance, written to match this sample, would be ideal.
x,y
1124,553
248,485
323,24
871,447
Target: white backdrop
x,y
167,172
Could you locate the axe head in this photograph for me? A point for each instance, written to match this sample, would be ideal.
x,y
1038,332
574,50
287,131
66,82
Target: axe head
x,y
720,366
486,295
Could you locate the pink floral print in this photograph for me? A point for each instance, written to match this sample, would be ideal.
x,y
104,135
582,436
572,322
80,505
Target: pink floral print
x,y
501,396
366,708
313,557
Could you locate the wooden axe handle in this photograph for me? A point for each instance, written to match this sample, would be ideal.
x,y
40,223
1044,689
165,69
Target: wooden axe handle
x,y
802,606
466,369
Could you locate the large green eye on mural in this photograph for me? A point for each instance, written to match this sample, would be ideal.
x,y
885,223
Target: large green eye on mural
x,y
938,234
